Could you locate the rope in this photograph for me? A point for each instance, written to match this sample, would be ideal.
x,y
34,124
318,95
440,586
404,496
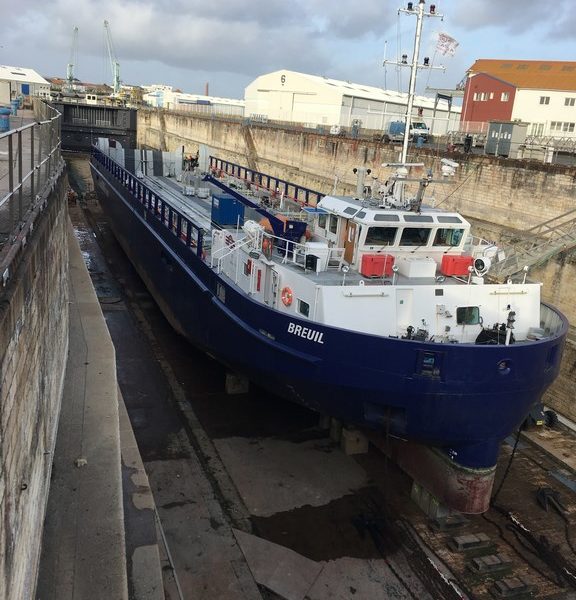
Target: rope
x,y
495,496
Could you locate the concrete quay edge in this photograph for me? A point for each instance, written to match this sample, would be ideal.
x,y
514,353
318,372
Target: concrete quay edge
x,y
84,538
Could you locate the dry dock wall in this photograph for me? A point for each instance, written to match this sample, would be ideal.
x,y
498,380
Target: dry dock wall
x,y
502,197
33,352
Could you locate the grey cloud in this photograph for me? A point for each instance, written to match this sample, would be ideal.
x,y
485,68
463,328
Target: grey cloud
x,y
351,19
514,16
269,12
226,36
565,27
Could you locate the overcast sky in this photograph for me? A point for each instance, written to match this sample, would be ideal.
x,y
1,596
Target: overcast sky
x,y
228,43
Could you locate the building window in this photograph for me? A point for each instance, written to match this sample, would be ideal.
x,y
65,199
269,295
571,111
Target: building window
x,y
544,99
476,96
569,101
504,97
491,95
560,126
537,129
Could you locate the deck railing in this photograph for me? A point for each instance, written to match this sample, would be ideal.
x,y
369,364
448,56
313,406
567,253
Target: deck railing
x,y
189,233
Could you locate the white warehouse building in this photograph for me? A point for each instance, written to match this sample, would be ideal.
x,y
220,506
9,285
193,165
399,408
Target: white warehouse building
x,y
164,96
321,101
17,81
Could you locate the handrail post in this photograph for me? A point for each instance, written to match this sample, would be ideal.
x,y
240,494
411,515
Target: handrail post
x,y
32,165
11,180
20,211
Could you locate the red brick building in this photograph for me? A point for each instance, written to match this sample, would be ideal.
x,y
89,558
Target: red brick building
x,y
487,98
541,93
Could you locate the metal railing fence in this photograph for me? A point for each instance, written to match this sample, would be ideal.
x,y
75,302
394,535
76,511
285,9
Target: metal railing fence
x,y
30,165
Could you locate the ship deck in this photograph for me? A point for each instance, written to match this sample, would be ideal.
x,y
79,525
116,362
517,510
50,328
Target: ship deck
x,y
199,210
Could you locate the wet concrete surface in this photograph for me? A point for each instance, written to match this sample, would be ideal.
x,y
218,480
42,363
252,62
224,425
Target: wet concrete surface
x,y
287,483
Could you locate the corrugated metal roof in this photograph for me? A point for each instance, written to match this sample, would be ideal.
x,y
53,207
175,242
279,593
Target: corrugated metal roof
x,y
20,74
369,92
530,74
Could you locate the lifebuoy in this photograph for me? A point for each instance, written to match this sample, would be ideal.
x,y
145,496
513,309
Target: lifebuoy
x,y
287,296
267,247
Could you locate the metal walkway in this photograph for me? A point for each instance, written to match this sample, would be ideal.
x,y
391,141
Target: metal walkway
x,y
540,243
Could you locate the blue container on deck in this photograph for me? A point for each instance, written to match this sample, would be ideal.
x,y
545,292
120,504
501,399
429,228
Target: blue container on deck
x,y
4,119
227,210
15,104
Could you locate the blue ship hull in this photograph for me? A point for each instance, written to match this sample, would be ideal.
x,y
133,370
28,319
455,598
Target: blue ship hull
x,y
367,380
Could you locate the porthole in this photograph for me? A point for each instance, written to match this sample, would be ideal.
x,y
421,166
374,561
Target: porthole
x,y
504,367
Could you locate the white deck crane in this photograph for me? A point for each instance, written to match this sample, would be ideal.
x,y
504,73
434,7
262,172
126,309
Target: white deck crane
x,y
69,86
114,64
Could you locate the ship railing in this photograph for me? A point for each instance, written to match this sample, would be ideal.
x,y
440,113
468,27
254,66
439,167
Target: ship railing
x,y
279,187
233,246
296,253
171,220
478,246
550,320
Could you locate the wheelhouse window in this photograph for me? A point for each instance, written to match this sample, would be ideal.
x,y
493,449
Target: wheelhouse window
x,y
380,236
333,223
322,221
468,315
415,236
448,237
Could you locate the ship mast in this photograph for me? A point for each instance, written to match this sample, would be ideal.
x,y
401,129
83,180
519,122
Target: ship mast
x,y
412,86
415,65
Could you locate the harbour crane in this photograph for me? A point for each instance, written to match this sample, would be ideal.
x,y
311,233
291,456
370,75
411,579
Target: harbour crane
x,y
69,87
114,64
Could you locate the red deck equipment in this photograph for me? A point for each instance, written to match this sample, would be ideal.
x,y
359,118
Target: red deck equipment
x,y
377,265
455,265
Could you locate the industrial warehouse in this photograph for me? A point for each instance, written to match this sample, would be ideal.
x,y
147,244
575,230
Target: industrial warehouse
x,y
298,97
